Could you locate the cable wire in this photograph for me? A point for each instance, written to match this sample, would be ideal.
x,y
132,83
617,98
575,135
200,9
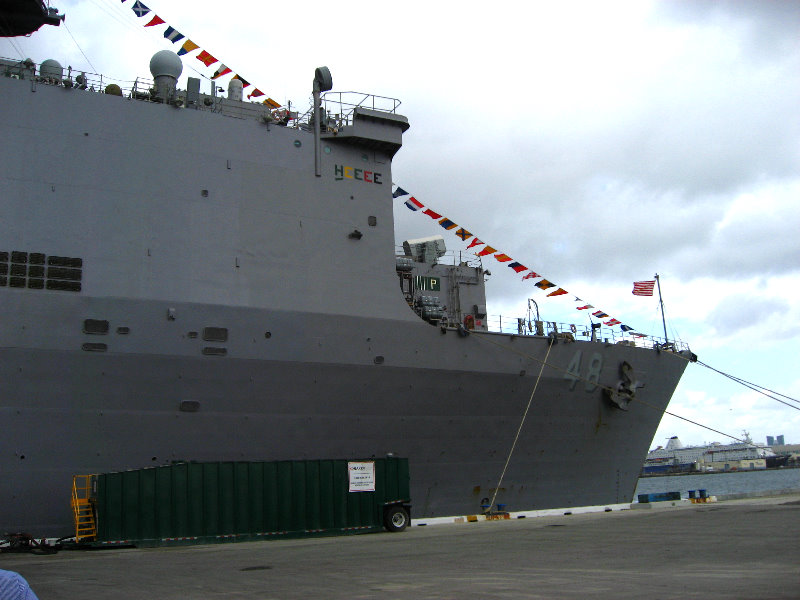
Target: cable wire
x,y
604,387
79,47
744,381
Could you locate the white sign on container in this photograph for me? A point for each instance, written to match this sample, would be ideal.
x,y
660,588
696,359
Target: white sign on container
x,y
362,476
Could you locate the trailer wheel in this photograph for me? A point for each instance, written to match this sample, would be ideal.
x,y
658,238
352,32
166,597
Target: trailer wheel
x,y
396,518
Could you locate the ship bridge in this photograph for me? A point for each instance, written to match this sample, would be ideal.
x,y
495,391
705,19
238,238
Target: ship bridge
x,y
365,120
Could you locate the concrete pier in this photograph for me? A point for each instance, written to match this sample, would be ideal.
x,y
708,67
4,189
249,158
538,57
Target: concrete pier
x,y
745,548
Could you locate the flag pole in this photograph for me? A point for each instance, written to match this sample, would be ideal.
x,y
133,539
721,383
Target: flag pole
x,y
663,320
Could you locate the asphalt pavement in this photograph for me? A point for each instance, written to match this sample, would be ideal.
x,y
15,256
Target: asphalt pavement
x,y
741,549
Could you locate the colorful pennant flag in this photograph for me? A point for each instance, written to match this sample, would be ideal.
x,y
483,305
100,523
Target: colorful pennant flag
x,y
140,9
172,34
643,288
208,60
558,292
413,204
188,46
223,70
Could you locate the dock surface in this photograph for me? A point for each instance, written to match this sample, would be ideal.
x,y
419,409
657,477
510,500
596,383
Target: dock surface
x,y
731,549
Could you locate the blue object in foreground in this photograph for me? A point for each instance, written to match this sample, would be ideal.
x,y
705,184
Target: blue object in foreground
x,y
14,587
662,497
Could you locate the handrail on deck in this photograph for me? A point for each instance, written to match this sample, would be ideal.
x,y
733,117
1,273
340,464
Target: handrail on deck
x,y
527,327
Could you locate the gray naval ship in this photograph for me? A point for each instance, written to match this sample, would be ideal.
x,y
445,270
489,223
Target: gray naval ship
x,y
185,276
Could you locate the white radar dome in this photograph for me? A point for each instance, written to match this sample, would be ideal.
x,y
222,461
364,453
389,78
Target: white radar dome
x,y
166,62
51,69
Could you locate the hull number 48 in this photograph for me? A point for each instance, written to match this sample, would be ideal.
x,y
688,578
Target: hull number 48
x,y
591,378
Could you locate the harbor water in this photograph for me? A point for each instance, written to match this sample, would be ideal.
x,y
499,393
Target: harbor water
x,y
722,484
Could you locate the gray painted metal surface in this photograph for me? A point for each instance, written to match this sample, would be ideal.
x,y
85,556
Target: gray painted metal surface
x,y
245,321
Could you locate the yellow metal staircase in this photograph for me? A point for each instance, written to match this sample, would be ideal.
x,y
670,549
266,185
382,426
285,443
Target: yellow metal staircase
x,y
83,508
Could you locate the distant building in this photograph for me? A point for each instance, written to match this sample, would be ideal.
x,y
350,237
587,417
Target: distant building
x,y
780,441
770,440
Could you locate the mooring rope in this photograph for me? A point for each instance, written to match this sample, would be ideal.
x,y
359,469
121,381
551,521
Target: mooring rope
x,y
544,362
577,376
519,429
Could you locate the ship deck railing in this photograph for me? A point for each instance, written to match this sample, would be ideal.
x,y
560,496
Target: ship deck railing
x,y
527,326
523,326
341,106
140,88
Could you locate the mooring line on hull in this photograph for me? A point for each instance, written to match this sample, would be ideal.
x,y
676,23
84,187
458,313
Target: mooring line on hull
x,y
519,430
604,387
544,362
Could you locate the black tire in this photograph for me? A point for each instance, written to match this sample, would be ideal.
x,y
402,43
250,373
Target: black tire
x,y
396,518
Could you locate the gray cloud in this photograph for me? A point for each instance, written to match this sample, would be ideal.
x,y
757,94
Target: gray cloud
x,y
745,310
766,28
613,190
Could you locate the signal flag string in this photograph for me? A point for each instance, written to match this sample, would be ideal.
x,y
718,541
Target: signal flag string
x,y
543,284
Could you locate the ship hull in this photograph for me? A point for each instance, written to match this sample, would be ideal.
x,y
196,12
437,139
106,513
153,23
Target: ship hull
x,y
345,388
200,284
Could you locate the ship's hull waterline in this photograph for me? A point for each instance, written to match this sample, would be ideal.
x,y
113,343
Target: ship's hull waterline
x,y
356,392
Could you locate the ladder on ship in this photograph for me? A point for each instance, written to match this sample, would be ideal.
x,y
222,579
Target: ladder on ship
x,y
83,508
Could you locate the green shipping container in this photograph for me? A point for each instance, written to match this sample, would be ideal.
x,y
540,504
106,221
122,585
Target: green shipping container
x,y
243,501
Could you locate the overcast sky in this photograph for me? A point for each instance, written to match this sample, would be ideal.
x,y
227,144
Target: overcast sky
x,y
596,143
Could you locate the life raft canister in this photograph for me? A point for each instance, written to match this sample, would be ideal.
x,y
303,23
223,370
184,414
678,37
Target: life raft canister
x,y
469,322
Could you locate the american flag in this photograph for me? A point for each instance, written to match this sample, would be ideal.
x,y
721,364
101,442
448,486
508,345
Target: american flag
x,y
643,288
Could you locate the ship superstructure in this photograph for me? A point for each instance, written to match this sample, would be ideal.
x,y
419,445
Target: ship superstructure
x,y
186,276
